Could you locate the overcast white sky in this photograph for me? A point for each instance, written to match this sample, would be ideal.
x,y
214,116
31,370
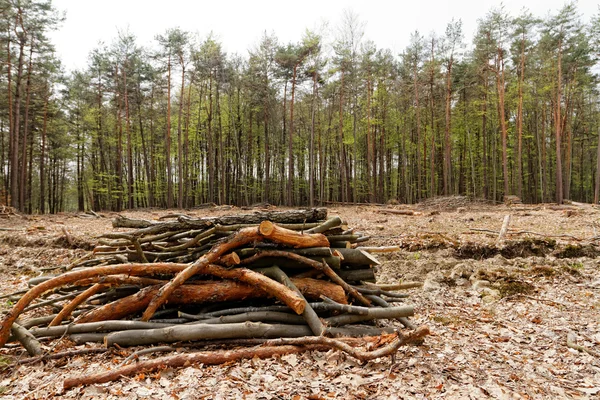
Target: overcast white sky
x,y
239,24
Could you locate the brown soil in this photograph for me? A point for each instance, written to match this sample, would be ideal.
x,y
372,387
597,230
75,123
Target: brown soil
x,y
500,313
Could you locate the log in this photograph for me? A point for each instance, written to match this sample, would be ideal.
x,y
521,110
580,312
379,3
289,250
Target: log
x,y
207,292
28,341
399,212
121,221
200,331
373,313
344,333
330,223
321,266
73,276
396,286
266,230
311,317
179,360
288,216
100,326
380,249
223,356
358,275
83,296
357,257
291,238
504,228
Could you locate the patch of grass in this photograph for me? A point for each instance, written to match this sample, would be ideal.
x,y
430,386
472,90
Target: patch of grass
x,y
4,363
544,270
513,287
448,281
573,268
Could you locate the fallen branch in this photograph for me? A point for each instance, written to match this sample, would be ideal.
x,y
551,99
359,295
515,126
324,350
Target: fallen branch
x,y
64,354
399,212
503,229
244,236
28,341
223,356
180,360
572,343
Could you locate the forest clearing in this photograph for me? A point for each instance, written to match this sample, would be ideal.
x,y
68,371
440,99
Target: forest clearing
x,y
511,314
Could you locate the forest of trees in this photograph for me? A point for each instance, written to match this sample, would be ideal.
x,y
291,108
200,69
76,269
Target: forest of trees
x,y
176,123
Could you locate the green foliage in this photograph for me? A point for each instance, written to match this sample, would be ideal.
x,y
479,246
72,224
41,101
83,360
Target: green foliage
x,y
230,118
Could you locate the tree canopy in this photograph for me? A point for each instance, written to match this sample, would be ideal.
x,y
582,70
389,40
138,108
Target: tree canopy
x,y
513,110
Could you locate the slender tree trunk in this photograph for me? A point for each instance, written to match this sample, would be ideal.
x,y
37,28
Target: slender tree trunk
x,y
168,141
186,147
520,120
597,188
14,171
311,150
129,143
484,136
342,164
557,123
290,185
447,141
502,116
432,191
119,156
23,178
180,140
11,131
418,122
43,153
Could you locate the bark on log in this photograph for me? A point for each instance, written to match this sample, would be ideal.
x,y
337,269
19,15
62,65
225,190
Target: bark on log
x,y
83,296
380,249
311,317
357,257
179,360
193,332
330,223
73,276
396,286
266,230
374,313
286,217
220,357
209,292
399,212
321,266
343,333
101,326
28,341
358,275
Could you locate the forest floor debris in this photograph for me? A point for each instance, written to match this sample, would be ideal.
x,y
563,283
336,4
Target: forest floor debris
x,y
502,322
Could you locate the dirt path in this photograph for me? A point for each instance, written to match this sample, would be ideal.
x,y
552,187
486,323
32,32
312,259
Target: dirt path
x,y
500,313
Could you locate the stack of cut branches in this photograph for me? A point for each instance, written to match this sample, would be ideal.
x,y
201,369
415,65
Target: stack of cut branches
x,y
266,275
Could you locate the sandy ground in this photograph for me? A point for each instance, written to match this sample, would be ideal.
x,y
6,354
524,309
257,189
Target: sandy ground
x,y
500,312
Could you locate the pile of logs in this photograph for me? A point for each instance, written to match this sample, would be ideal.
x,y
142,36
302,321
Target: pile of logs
x,y
266,275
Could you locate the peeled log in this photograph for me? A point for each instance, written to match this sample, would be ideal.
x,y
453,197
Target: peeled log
x,y
291,238
209,292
